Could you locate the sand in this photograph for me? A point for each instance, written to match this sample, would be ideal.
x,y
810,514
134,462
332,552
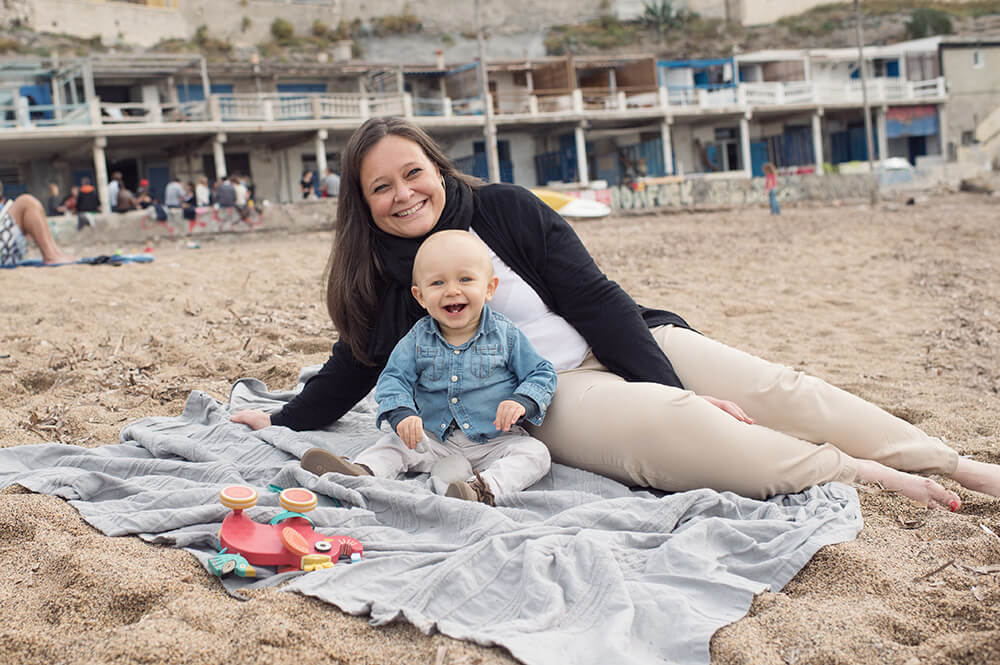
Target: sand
x,y
899,304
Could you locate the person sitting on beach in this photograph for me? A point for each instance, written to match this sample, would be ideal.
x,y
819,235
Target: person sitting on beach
x,y
25,218
642,397
467,372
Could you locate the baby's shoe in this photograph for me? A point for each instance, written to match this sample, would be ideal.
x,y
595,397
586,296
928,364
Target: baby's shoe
x,y
319,461
471,490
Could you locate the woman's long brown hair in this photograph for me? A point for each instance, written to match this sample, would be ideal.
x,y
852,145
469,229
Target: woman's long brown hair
x,y
352,272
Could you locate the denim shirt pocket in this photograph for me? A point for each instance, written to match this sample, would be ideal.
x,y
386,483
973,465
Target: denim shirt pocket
x,y
430,364
486,358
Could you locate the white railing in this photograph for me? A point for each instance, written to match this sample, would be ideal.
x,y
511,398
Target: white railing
x,y
386,104
340,106
278,107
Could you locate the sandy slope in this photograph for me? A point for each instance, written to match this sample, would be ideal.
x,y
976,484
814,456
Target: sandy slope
x,y
900,304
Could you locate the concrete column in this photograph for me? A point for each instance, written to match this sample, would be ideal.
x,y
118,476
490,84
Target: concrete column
x,y
668,149
446,108
220,155
151,100
22,112
101,173
57,97
745,144
582,173
817,127
94,107
883,137
320,142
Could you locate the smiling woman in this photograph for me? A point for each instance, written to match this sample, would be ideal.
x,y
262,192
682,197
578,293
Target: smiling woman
x,y
641,397
403,189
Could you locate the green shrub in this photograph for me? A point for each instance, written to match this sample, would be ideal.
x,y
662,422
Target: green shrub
x,y
282,30
926,22
400,24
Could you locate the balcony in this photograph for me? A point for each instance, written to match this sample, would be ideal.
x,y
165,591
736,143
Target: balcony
x,y
513,104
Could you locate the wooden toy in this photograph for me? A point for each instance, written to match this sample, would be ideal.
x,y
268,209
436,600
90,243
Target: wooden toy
x,y
288,542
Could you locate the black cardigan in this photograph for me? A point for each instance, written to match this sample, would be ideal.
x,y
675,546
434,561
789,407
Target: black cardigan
x,y
546,253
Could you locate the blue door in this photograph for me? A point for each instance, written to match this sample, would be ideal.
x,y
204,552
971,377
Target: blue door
x,y
158,176
196,93
758,155
38,95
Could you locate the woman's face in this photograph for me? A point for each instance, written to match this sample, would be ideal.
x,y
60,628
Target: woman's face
x,y
402,187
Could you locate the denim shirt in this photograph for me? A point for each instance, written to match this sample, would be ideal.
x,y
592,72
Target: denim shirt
x,y
465,384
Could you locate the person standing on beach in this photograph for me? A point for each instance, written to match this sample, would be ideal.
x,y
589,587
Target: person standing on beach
x,y
771,187
465,375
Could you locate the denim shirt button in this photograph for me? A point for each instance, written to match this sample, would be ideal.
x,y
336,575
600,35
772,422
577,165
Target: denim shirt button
x,y
454,378
457,352
454,400
443,426
465,425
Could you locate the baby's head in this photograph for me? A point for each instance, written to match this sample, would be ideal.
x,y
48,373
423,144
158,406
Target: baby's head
x,y
453,278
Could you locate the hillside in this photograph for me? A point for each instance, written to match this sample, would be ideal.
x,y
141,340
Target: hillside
x,y
667,33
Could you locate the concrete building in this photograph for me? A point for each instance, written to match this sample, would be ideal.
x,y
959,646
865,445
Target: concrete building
x,y
972,68
559,119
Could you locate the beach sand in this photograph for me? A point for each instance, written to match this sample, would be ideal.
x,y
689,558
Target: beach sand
x,y
899,304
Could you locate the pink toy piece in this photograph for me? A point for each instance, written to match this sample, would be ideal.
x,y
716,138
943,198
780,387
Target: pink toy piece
x,y
291,544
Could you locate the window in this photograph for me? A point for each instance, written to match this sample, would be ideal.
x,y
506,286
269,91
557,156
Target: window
x,y
977,59
968,137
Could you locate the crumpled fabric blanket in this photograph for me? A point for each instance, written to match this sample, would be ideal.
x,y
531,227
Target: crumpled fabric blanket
x,y
577,569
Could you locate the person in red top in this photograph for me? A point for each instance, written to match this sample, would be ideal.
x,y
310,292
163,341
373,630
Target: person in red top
x,y
771,187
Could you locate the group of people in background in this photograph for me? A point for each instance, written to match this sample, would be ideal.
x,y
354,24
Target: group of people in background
x,y
326,187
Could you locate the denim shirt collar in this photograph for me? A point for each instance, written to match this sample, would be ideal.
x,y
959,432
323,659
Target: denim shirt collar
x,y
487,324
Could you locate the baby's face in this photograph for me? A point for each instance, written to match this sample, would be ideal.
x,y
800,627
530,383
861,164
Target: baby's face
x,y
453,279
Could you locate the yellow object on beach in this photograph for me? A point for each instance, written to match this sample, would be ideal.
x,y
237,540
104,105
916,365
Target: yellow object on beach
x,y
571,206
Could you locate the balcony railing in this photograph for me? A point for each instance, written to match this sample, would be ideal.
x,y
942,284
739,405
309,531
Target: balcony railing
x,y
277,107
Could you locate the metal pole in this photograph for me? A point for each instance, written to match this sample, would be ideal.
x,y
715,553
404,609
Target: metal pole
x,y
869,142
490,129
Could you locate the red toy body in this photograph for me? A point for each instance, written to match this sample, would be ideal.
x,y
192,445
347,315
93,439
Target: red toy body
x,y
289,542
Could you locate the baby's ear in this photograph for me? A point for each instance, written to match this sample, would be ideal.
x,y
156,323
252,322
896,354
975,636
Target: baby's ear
x,y
491,287
415,290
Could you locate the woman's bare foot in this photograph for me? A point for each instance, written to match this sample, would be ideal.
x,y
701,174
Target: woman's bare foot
x,y
920,489
978,476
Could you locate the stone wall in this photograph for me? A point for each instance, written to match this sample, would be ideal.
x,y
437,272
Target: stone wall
x,y
127,231
735,192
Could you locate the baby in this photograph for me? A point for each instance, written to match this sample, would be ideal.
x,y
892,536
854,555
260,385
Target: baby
x,y
458,383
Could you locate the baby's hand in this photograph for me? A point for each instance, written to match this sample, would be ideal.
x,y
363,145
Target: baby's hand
x,y
508,413
410,430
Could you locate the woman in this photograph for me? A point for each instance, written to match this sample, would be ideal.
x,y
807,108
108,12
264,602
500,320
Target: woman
x,y
642,397
306,184
771,187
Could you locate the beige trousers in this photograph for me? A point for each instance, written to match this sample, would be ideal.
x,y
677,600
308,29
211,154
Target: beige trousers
x,y
807,432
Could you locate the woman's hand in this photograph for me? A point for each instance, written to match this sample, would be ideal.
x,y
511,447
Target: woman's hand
x,y
410,430
255,419
508,413
732,408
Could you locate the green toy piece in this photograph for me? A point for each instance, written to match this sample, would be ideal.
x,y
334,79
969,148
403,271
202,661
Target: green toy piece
x,y
223,564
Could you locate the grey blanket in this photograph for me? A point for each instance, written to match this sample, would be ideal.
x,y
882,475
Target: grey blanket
x,y
578,569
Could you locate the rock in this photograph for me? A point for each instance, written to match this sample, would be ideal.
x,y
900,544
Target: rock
x,y
975,185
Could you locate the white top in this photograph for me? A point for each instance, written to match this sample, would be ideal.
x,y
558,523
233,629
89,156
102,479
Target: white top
x,y
551,335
